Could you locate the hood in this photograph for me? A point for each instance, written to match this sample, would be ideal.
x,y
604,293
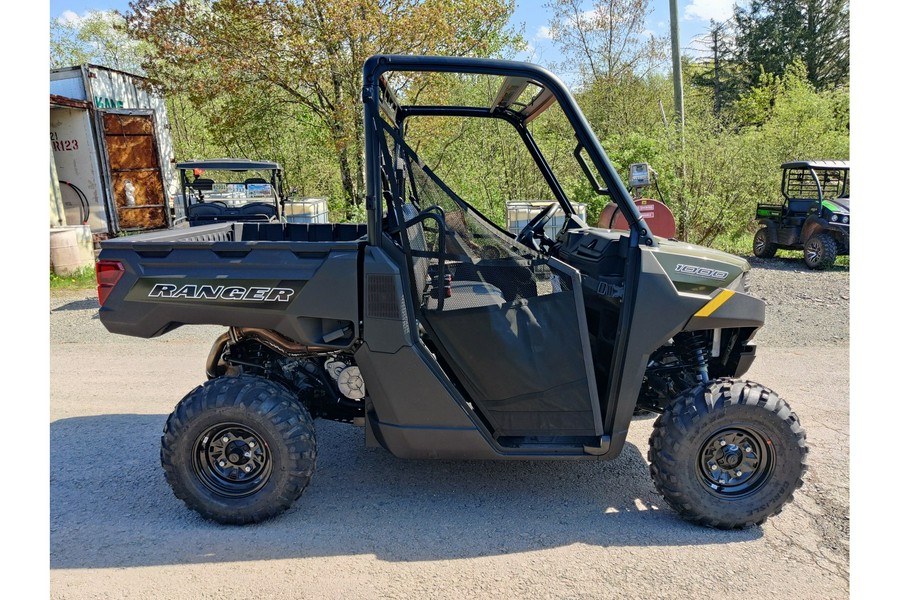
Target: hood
x,y
837,205
697,269
674,247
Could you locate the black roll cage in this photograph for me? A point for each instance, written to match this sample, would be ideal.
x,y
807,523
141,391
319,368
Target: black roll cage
x,y
235,165
813,168
377,96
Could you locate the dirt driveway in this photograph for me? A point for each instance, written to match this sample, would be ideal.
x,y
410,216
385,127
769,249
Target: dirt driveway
x,y
372,526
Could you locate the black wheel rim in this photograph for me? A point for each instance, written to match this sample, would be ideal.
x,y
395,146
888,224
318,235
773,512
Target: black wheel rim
x,y
735,462
814,252
232,460
760,243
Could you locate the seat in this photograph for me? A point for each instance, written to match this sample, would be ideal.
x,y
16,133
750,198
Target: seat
x,y
202,185
468,294
204,214
800,206
259,210
463,293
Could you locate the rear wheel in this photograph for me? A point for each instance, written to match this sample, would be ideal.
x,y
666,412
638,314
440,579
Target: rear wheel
x,y
728,455
763,245
238,449
820,251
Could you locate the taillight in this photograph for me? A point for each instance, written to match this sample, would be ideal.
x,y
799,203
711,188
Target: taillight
x,y
109,272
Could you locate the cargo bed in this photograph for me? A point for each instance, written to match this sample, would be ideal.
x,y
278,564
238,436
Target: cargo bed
x,y
269,275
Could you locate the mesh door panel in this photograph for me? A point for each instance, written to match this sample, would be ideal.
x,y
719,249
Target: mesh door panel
x,y
505,320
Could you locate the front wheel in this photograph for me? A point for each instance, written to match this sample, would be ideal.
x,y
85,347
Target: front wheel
x,y
728,455
820,251
238,449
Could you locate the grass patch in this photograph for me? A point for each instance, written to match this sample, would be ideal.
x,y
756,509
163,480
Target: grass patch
x,y
82,279
741,245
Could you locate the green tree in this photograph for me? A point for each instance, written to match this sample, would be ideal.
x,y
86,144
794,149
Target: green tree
x,y
306,53
716,68
606,38
246,124
607,44
826,52
772,34
98,37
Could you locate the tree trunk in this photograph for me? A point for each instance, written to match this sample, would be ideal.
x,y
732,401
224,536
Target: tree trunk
x,y
347,179
359,145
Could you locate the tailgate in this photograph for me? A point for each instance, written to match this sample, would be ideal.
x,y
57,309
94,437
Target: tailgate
x,y
305,290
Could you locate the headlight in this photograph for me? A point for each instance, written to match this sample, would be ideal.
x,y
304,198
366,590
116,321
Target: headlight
x,y
845,219
834,218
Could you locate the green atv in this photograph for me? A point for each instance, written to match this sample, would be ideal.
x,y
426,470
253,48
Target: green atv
x,y
815,215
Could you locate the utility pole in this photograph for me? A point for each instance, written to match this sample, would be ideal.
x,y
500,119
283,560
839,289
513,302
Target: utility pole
x,y
716,33
680,199
676,62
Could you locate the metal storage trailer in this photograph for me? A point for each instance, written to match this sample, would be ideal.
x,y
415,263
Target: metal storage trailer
x,y
112,149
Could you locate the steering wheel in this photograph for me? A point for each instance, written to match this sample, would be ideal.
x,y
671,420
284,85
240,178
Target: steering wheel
x,y
533,233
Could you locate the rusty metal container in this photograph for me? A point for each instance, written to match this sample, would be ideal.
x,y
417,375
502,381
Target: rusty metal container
x,y
655,213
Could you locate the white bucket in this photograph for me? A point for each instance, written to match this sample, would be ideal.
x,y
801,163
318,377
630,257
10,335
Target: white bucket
x,y
71,249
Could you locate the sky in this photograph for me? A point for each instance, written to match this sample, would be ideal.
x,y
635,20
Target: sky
x,y
530,15
694,16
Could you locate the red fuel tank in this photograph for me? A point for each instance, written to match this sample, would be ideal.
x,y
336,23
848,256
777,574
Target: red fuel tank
x,y
657,215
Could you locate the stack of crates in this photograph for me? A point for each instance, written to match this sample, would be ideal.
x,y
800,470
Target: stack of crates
x,y
306,210
519,213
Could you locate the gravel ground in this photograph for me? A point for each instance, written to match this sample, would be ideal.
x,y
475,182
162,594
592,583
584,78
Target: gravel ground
x,y
803,307
373,526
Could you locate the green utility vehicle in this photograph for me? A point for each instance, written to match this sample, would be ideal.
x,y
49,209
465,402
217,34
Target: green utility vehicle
x,y
445,336
814,217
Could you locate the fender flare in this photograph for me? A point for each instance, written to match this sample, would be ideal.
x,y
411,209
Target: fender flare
x,y
768,223
772,227
812,226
